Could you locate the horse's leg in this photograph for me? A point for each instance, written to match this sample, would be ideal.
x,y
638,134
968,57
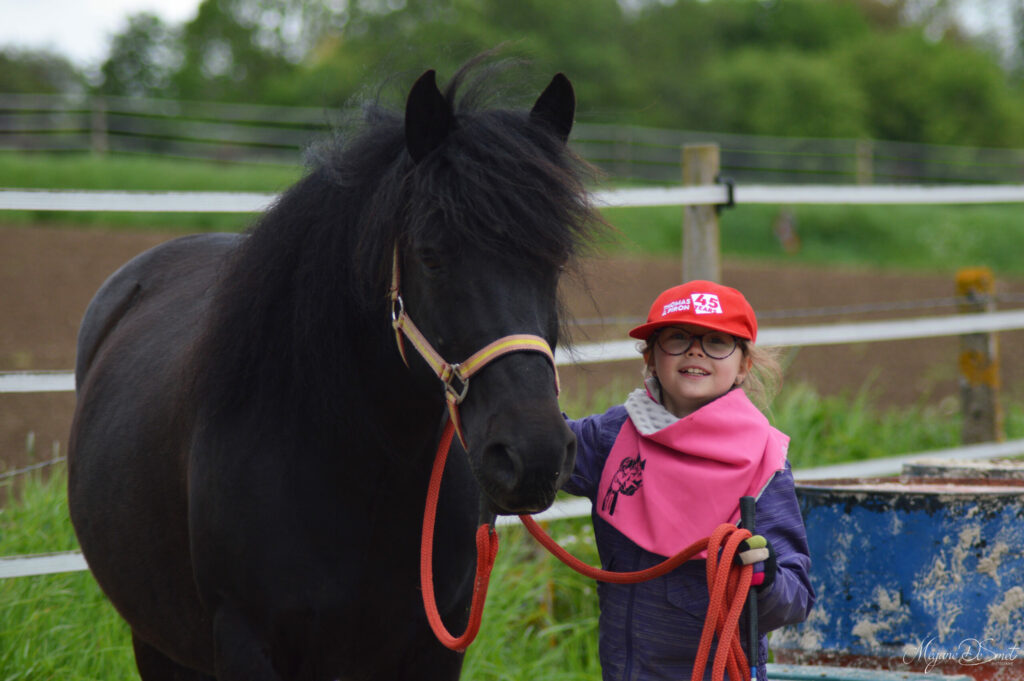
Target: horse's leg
x,y
155,666
239,654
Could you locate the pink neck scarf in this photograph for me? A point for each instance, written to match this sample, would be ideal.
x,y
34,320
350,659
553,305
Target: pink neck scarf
x,y
669,482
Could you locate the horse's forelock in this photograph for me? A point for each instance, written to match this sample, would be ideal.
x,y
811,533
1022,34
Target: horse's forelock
x,y
504,187
499,183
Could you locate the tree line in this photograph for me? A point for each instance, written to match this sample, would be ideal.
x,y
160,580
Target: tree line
x,y
904,70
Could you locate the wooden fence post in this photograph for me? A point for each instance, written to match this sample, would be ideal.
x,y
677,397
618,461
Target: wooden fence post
x,y
865,161
979,362
701,255
98,127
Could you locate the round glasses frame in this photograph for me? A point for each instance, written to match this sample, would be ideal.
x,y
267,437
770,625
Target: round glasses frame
x,y
715,344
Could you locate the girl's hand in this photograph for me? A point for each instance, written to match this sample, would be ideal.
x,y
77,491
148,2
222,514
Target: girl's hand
x,y
757,551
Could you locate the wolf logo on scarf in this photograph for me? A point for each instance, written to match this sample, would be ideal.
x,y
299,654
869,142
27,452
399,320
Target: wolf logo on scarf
x,y
628,479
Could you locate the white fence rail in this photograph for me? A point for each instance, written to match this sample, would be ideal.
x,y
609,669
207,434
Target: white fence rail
x,y
14,382
246,202
611,351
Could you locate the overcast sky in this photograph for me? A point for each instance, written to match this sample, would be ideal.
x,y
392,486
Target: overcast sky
x,y
79,29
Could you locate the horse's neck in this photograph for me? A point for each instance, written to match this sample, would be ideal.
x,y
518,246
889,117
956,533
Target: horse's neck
x,y
409,415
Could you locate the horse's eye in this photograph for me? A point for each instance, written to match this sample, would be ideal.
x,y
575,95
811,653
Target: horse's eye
x,y
432,262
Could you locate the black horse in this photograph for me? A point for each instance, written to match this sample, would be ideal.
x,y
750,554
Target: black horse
x,y
249,453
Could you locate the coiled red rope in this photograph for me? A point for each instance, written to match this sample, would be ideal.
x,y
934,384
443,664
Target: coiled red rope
x,y
728,584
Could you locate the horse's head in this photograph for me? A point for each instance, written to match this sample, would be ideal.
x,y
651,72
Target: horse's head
x,y
499,209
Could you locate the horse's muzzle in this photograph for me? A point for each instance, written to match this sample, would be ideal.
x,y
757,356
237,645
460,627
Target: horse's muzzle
x,y
522,474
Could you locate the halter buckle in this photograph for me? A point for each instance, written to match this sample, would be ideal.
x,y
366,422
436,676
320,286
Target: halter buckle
x,y
397,306
455,393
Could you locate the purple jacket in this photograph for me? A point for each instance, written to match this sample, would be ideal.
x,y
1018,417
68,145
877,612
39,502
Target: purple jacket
x,y
651,630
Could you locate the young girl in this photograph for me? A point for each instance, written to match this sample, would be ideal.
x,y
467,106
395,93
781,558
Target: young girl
x,y
670,465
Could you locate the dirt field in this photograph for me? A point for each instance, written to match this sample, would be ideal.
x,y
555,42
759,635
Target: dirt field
x,y
47,277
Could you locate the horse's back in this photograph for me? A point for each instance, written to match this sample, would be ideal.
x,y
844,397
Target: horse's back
x,y
160,272
129,438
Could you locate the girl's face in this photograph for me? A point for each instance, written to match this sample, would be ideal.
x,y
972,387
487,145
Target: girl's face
x,y
692,379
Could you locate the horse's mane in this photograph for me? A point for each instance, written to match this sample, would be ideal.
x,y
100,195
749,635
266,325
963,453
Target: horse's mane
x,y
301,305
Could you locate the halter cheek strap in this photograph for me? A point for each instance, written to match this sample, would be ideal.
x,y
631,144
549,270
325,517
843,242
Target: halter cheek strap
x,y
455,377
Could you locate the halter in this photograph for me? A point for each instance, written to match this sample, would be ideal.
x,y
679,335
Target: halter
x,y
455,377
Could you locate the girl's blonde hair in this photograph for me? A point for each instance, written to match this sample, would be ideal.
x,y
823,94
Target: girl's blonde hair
x,y
763,381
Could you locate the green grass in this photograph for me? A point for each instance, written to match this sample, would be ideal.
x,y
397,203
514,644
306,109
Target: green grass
x,y
935,238
91,171
541,618
54,626
129,173
540,621
932,238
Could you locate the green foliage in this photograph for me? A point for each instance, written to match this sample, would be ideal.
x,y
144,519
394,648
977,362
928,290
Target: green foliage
x,y
37,72
143,58
840,429
936,92
801,95
226,55
884,69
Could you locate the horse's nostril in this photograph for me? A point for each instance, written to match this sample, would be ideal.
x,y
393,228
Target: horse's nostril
x,y
503,468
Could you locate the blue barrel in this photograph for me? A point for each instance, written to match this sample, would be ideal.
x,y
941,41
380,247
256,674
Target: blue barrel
x,y
922,573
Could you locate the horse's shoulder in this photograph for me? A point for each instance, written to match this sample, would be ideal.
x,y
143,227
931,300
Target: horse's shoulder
x,y
189,259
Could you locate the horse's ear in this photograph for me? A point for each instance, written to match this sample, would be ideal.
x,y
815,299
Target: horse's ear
x,y
556,106
428,117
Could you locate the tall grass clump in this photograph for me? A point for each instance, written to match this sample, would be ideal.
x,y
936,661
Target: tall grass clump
x,y
54,626
540,622
834,429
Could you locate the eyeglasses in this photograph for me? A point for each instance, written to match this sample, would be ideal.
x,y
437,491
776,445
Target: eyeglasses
x,y
715,344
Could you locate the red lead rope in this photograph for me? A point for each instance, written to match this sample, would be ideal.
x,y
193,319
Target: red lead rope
x,y
728,584
486,552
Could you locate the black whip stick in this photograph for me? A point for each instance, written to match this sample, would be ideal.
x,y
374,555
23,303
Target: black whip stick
x,y
747,518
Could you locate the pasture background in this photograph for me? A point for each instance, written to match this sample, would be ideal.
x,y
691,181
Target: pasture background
x,y
840,403
857,69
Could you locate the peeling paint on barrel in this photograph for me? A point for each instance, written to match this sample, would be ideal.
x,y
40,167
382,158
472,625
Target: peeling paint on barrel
x,y
921,574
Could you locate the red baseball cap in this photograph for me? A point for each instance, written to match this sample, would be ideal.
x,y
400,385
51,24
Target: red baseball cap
x,y
701,303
